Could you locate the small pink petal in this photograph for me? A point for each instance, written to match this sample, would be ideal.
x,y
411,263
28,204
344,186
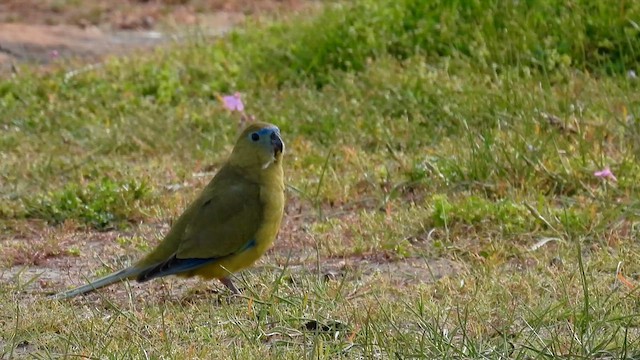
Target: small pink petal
x,y
54,54
233,102
605,174
239,103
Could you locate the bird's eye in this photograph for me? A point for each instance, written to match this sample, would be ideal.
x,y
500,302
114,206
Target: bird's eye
x,y
255,137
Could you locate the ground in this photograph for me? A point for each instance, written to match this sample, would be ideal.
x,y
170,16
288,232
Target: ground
x,y
48,31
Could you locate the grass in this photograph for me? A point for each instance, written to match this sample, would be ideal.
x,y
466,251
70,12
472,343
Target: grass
x,y
442,201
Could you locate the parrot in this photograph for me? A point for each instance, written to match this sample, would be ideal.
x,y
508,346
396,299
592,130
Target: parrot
x,y
231,224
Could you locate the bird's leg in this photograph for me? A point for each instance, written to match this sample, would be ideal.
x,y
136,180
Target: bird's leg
x,y
229,284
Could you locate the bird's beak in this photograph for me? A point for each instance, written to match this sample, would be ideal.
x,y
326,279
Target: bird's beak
x,y
276,142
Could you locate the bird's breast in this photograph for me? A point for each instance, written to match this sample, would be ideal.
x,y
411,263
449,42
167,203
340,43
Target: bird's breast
x,y
272,196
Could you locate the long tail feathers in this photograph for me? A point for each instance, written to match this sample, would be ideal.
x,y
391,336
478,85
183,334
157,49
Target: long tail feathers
x,y
123,274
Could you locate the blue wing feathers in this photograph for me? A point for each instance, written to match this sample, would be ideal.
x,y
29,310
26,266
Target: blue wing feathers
x,y
175,265
248,246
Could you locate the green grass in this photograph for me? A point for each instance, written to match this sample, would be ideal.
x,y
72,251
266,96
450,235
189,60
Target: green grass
x,y
441,199
97,204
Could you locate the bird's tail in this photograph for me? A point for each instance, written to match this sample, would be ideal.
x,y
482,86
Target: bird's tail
x,y
123,274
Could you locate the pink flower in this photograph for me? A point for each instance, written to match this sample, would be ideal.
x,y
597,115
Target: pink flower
x,y
605,174
54,54
233,102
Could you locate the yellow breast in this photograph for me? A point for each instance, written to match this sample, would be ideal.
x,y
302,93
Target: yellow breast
x,y
272,196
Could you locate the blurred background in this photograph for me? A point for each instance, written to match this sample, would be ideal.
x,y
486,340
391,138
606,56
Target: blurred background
x,y
41,31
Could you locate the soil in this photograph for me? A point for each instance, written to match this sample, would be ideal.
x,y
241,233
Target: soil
x,y
46,31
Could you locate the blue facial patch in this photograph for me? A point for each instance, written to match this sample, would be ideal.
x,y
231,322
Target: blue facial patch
x,y
268,130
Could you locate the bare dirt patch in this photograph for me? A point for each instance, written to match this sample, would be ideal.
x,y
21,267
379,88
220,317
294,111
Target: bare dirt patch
x,y
129,14
42,32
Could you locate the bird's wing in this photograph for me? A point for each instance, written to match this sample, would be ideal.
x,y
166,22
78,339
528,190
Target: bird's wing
x,y
226,221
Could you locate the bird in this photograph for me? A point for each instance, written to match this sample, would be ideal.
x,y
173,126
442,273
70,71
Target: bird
x,y
230,225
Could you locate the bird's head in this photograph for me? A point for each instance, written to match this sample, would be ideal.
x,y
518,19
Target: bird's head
x,y
258,148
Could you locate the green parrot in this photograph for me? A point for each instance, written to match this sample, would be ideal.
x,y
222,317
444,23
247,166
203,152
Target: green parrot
x,y
228,226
